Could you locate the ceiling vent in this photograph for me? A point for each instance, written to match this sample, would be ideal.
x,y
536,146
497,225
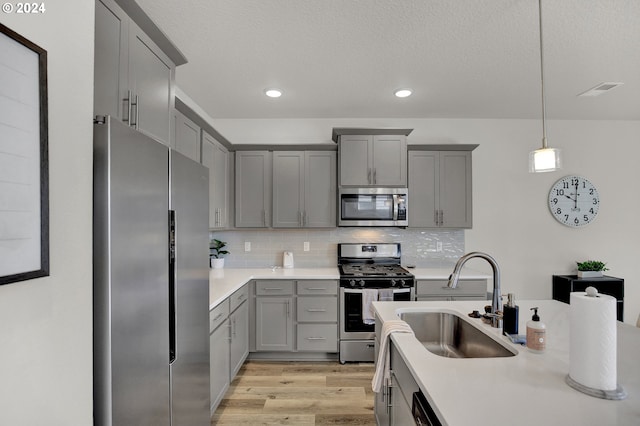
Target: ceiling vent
x,y
600,89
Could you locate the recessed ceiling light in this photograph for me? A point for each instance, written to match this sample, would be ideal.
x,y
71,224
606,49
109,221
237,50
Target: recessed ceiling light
x,y
600,89
273,93
403,93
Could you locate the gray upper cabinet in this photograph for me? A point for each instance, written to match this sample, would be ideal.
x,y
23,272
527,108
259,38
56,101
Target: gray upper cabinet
x,y
373,160
253,189
440,193
304,189
217,158
133,76
187,137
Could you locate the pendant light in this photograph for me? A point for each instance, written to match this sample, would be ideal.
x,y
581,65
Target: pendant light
x,y
544,159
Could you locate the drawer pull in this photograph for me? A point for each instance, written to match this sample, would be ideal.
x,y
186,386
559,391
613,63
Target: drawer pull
x,y
316,288
273,288
217,316
316,338
316,310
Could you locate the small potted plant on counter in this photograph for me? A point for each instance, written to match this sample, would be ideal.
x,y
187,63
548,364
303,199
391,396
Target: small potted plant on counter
x,y
216,253
591,269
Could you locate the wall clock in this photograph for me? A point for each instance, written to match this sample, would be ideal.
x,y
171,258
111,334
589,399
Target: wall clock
x,y
574,201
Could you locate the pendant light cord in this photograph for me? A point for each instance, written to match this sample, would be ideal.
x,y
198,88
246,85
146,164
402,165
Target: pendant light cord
x,y
544,130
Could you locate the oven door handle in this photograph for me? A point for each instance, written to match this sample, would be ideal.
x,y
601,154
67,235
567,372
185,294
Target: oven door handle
x,y
360,290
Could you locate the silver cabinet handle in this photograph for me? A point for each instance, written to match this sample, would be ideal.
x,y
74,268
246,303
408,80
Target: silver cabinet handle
x,y
217,317
374,176
300,218
273,288
137,105
316,310
233,328
126,115
264,218
369,175
288,313
316,338
316,289
441,218
435,217
304,218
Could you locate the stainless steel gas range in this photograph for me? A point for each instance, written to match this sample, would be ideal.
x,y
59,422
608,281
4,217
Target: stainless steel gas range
x,y
367,272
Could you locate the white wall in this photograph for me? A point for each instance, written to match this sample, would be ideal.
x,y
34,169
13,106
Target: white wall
x,y
511,219
45,324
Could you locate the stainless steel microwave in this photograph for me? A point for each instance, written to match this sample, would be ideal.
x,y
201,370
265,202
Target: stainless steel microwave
x,y
372,207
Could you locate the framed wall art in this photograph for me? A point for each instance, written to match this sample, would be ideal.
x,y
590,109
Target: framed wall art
x,y
24,169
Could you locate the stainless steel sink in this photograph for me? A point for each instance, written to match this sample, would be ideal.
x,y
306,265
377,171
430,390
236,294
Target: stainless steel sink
x,y
448,335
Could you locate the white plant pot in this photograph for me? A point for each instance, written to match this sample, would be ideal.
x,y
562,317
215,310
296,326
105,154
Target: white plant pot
x,y
217,263
590,274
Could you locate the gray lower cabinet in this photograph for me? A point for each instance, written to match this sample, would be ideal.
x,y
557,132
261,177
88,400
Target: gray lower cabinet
x,y
187,136
218,159
253,189
304,189
228,342
296,316
218,353
133,76
467,289
440,189
373,160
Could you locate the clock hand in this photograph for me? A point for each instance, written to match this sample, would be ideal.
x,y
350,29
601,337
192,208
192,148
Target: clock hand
x,y
575,200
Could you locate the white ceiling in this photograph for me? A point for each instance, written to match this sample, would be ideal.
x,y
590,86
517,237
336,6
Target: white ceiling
x,y
462,58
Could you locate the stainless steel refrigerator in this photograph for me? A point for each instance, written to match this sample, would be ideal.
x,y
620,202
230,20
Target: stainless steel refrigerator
x,y
151,292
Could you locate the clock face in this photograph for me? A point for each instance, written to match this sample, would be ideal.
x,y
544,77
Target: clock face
x,y
574,201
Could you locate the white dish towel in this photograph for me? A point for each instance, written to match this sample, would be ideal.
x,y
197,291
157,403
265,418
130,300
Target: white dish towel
x,y
381,375
369,295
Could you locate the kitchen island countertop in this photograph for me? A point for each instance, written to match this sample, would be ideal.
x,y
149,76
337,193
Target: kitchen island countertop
x,y
526,389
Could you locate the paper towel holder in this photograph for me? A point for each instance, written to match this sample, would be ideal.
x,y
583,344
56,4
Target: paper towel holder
x,y
615,395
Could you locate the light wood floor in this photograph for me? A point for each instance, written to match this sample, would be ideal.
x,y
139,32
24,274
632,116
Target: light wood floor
x,y
299,393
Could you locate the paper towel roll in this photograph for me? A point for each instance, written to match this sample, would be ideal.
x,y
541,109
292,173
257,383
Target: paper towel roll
x,y
593,342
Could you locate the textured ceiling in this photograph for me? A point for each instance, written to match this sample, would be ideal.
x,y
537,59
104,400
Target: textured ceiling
x,y
462,58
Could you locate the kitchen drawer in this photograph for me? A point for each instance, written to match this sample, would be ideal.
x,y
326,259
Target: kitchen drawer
x,y
218,314
274,287
439,288
317,337
317,287
317,309
238,297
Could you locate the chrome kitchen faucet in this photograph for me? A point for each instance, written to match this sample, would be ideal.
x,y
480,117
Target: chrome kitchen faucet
x,y
496,301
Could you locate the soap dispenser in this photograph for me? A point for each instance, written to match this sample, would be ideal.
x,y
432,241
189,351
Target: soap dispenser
x,y
510,316
536,333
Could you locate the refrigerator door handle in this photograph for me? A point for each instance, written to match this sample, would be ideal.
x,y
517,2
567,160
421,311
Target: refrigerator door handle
x,y
172,285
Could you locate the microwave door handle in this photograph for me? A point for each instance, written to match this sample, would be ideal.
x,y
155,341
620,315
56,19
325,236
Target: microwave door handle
x,y
395,207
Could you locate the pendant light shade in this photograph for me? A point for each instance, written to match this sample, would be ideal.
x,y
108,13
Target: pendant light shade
x,y
544,159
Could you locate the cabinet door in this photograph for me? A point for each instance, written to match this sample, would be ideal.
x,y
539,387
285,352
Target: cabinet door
x,y
239,347
356,157
216,158
389,166
187,137
111,59
455,189
274,324
150,79
253,189
423,189
219,363
288,189
320,189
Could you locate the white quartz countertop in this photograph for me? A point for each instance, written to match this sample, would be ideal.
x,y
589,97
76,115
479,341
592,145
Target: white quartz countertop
x,y
526,389
223,282
443,273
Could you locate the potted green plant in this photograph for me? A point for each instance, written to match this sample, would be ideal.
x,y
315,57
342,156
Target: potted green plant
x,y
591,268
216,253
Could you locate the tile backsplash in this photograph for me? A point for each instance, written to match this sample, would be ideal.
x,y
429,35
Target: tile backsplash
x,y
420,247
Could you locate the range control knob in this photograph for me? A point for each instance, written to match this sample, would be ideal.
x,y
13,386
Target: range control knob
x,y
361,282
352,283
393,283
403,283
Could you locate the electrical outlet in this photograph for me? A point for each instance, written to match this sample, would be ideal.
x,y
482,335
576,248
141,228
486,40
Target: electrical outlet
x,y
247,246
305,246
438,246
